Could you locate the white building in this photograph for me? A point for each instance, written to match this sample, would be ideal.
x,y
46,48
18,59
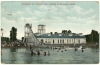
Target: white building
x,y
60,39
49,38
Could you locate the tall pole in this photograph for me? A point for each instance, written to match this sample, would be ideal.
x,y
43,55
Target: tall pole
x,y
24,40
74,41
12,35
92,38
2,32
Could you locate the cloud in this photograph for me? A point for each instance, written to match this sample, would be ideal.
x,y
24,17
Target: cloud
x,y
77,9
6,24
58,18
39,13
18,13
43,7
87,12
28,11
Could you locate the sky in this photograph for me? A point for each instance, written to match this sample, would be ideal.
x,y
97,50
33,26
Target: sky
x,y
77,16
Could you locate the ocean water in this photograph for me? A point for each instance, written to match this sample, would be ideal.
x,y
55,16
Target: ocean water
x,y
23,56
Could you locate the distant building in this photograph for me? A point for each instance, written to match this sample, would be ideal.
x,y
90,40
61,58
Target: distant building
x,y
48,38
59,38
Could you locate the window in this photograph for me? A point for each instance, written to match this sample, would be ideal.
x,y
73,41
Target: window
x,y
58,40
78,41
70,40
67,40
63,40
53,40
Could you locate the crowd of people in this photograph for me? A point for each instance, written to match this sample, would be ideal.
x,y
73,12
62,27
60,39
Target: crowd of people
x,y
38,52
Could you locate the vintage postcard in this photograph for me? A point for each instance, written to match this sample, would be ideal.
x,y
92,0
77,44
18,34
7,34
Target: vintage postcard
x,y
50,32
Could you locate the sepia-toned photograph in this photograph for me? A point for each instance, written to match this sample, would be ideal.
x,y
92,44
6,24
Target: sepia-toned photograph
x,y
50,32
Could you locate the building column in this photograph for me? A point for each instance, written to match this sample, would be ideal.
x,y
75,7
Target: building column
x,y
74,40
58,41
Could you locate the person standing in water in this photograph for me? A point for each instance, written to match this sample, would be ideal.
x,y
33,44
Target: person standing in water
x,y
31,52
48,53
44,53
75,49
82,50
38,52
